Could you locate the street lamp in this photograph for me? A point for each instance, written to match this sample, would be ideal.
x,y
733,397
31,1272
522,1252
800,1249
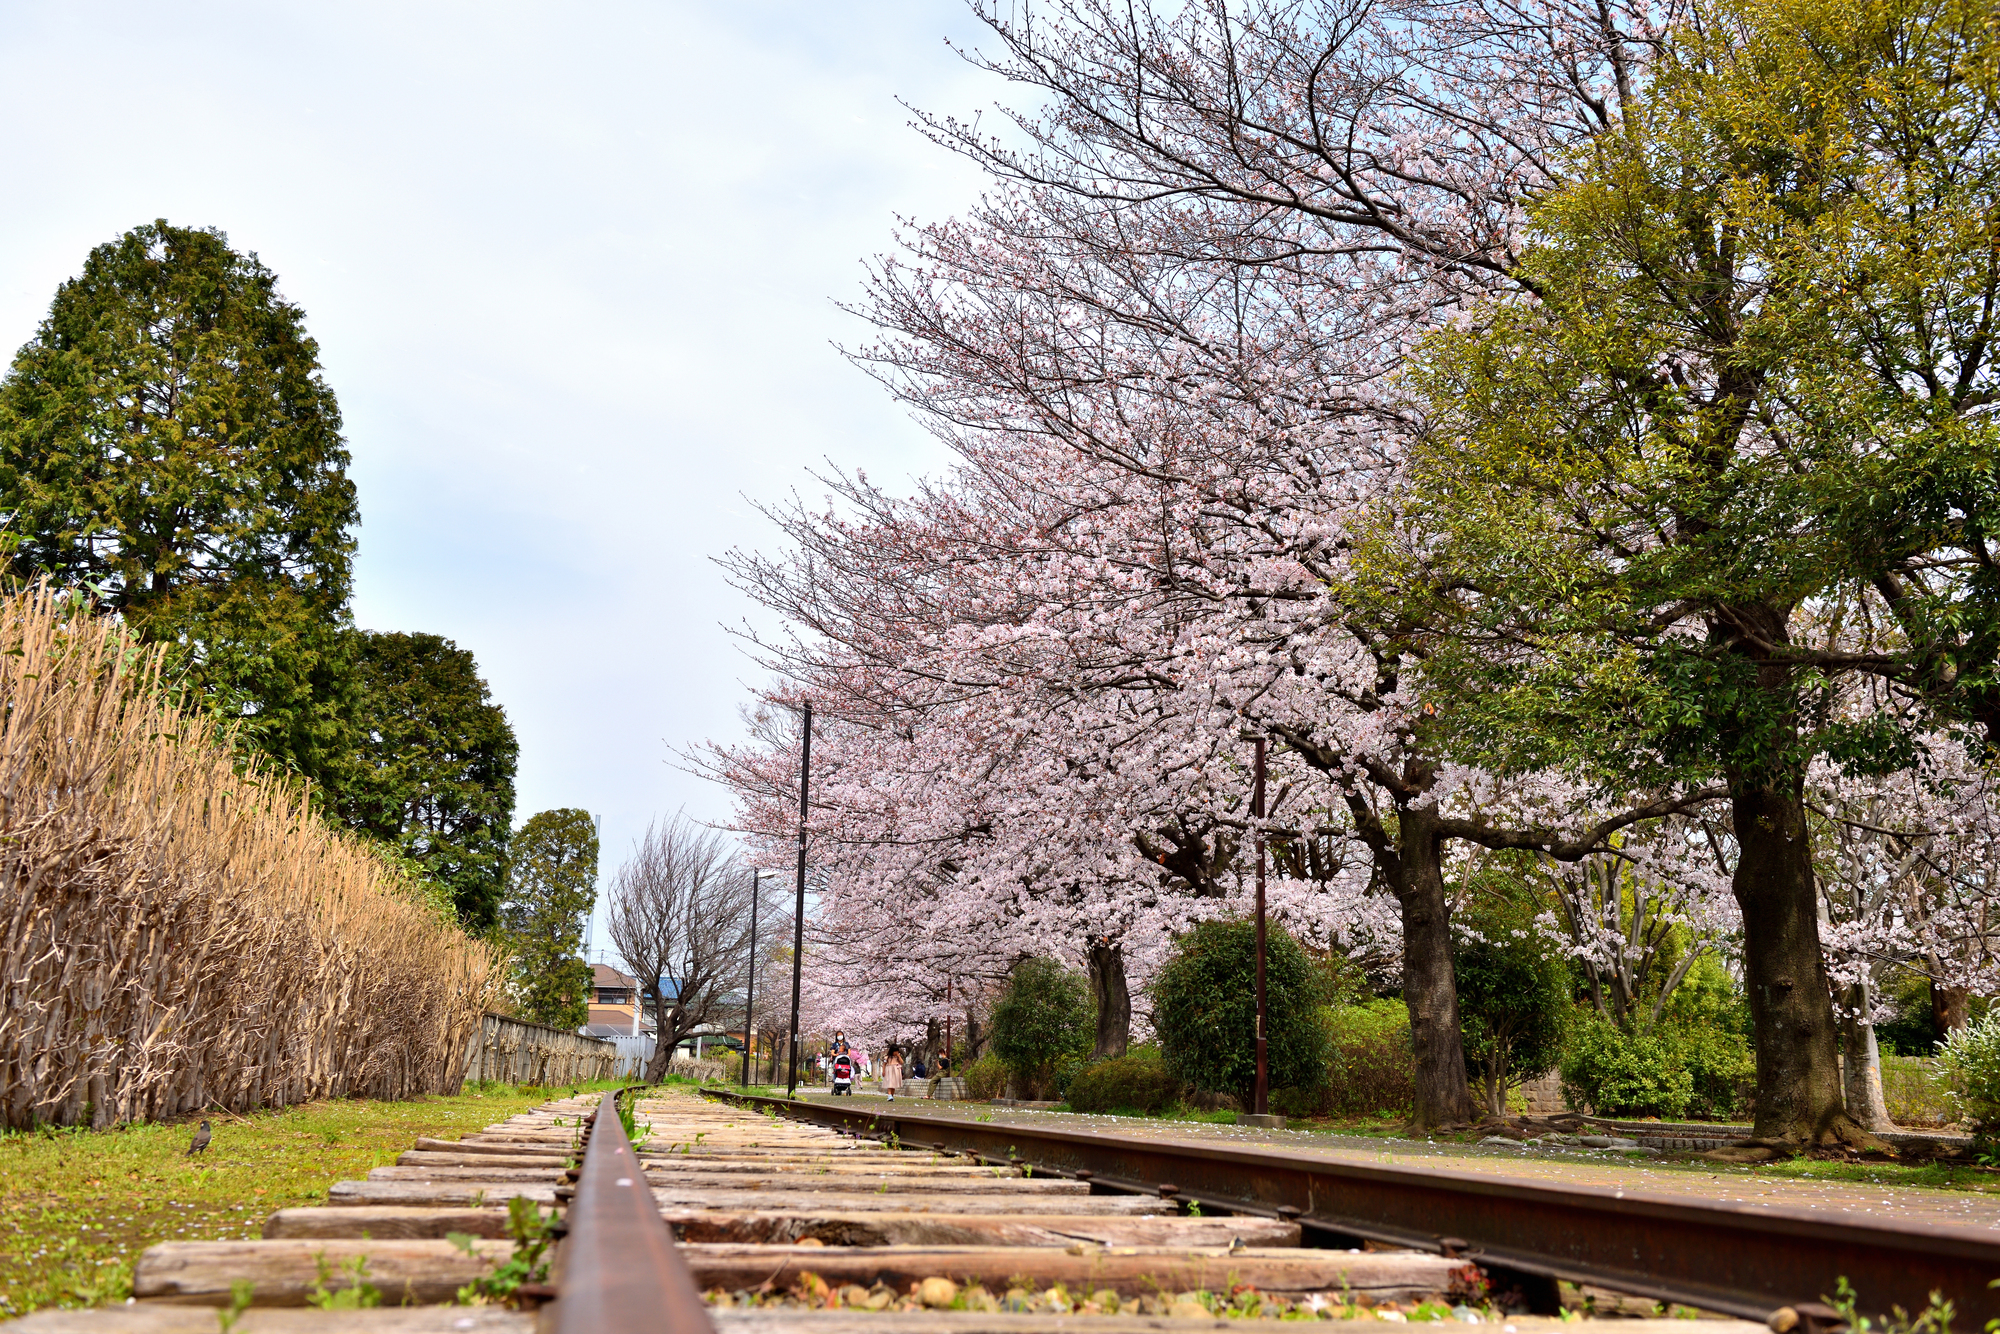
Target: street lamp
x,y
750,1001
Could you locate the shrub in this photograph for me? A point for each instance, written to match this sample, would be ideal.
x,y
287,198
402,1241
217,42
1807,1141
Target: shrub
x,y
1667,1070
986,1078
1372,1070
1300,1102
1043,1025
1124,1084
1721,1067
1969,1062
1619,1073
1205,1011
1914,1091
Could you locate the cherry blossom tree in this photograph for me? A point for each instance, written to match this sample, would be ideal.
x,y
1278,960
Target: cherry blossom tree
x,y
1165,351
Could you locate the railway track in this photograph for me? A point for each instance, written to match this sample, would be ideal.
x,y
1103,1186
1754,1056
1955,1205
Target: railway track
x,y
798,1218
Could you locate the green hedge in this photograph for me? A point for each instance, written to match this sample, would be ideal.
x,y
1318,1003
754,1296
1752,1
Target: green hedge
x,y
1668,1070
986,1078
1124,1084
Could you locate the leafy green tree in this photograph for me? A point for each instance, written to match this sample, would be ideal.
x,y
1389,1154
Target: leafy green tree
x,y
1733,452
1205,1011
550,889
1043,1024
434,771
1513,998
168,442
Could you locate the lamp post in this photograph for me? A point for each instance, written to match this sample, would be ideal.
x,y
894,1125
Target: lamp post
x,y
750,1000
1261,1103
799,913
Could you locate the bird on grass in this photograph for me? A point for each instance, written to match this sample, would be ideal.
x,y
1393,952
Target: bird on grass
x,y
200,1141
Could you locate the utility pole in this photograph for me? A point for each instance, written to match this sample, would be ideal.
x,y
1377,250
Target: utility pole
x,y
1262,1100
590,916
750,1001
799,917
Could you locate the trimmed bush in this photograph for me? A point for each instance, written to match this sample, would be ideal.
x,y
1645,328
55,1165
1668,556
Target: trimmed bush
x,y
1205,1011
1372,1067
1668,1070
986,1078
1124,1084
1620,1073
1043,1026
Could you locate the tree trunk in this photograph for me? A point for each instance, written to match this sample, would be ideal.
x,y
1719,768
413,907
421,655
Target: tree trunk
x,y
975,1038
1430,987
1861,1072
663,1056
1949,1007
1791,1008
1114,1001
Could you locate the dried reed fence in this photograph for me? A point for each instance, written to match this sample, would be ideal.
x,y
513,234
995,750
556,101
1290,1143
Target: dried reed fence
x,y
181,936
519,1051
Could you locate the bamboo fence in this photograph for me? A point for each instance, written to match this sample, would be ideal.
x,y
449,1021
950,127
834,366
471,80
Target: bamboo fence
x,y
180,935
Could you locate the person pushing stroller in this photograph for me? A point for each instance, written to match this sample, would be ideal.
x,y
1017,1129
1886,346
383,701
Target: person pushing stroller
x,y
843,1066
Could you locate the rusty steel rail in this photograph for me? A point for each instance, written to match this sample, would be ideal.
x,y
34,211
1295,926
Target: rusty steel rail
x,y
1732,1258
618,1271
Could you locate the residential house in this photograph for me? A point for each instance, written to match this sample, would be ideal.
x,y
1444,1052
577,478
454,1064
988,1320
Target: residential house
x,y
618,1011
615,1009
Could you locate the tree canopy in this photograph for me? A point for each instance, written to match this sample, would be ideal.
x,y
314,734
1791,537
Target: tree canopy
x,y
551,886
168,442
434,770
1652,497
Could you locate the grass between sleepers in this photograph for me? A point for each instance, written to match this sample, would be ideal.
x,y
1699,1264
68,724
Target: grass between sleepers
x,y
78,1206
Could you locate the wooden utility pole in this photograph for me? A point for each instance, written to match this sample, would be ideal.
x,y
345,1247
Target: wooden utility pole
x,y
1261,1102
799,917
750,1000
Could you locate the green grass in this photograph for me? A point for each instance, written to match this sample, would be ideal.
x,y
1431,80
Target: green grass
x,y
1930,1176
77,1206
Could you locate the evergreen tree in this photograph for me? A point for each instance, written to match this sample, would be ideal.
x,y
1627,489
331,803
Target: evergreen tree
x,y
168,442
1513,996
1205,1011
435,767
550,890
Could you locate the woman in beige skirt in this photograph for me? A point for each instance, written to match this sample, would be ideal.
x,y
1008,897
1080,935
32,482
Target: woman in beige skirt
x,y
892,1073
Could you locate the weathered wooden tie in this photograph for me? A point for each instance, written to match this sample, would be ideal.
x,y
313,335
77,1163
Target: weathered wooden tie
x,y
757,1206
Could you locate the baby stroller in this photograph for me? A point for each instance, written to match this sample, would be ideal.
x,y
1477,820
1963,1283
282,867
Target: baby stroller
x,y
843,1075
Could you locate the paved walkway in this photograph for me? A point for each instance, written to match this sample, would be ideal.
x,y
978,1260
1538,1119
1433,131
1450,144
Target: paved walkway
x,y
1741,1185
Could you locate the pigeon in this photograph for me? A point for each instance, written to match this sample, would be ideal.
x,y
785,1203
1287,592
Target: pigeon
x,y
200,1142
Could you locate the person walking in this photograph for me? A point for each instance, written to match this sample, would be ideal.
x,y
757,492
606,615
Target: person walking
x,y
892,1073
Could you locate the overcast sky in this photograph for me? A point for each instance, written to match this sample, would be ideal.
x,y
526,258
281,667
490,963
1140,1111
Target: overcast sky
x,y
572,271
